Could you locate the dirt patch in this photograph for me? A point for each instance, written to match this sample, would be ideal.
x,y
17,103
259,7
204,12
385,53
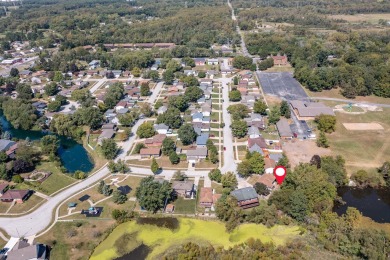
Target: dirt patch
x,y
302,151
362,126
272,100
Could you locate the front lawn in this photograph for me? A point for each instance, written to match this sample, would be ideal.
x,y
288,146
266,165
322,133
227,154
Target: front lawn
x,y
27,205
184,206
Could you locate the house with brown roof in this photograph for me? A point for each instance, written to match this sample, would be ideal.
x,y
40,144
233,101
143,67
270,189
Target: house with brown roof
x,y
268,179
280,60
150,152
15,195
170,208
259,141
269,165
155,141
207,197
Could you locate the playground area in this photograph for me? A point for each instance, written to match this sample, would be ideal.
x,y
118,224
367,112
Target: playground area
x,y
356,109
363,126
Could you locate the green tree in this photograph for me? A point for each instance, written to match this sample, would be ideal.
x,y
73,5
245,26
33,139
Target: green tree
x,y
145,90
190,81
335,168
322,141
14,72
174,158
109,149
367,179
244,168
274,115
261,189
89,116
100,187
179,176
158,104
3,157
215,175
260,107
54,106
326,123
235,80
146,130
24,91
154,75
229,180
168,146
193,93
238,111
284,161
234,95
168,76
138,147
118,197
136,72
179,102
58,76
239,128
50,144
227,210
126,119
298,205
151,195
201,74
154,166
171,118
241,62
187,134
19,113
257,162
285,109
106,191
51,89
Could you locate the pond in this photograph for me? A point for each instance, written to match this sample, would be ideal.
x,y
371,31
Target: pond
x,y
372,203
72,154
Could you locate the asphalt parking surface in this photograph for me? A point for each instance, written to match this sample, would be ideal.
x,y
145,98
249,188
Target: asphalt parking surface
x,y
281,84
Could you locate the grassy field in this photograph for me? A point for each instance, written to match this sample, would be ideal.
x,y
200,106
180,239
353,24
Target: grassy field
x,y
27,205
357,18
362,149
335,93
163,162
87,236
161,239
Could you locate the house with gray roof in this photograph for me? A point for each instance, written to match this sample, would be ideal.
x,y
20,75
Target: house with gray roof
x,y
256,148
197,117
284,129
246,197
161,128
310,110
38,252
184,188
201,140
196,154
276,156
5,144
162,110
253,132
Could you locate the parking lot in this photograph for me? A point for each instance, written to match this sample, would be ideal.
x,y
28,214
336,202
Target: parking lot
x,y
281,84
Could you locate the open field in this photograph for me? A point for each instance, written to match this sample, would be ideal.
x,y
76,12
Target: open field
x,y
363,126
365,149
160,239
287,68
370,18
79,246
162,161
302,151
335,93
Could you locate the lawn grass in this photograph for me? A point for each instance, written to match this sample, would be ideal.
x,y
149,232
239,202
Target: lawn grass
x,y
352,145
184,206
163,162
217,187
4,206
214,232
2,243
214,116
90,234
56,182
215,125
26,205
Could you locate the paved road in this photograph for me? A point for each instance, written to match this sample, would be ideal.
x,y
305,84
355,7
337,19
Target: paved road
x,y
243,45
98,85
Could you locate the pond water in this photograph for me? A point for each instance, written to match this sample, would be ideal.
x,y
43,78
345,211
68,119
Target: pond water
x,y
72,154
372,203
170,223
141,252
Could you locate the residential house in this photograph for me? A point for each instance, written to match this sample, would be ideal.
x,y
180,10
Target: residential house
x,y
17,196
280,60
150,152
94,64
259,142
117,73
284,129
243,91
110,114
256,148
268,179
6,144
200,127
29,252
3,188
106,134
212,61
25,73
155,141
134,93
207,197
206,120
162,110
201,140
121,104
161,128
253,132
246,197
207,94
197,117
126,73
196,154
269,165
255,120
11,152
276,156
184,188
201,100
200,61
206,110
248,98
208,83
190,72
39,105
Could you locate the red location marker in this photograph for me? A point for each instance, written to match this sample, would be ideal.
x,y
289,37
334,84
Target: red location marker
x,y
280,173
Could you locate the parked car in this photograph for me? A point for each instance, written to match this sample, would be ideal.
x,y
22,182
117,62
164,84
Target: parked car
x,y
224,148
212,135
295,135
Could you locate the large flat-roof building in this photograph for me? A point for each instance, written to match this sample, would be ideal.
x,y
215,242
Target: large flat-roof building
x,y
310,110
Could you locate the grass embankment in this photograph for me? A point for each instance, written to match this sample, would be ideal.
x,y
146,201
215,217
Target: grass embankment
x,y
199,231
